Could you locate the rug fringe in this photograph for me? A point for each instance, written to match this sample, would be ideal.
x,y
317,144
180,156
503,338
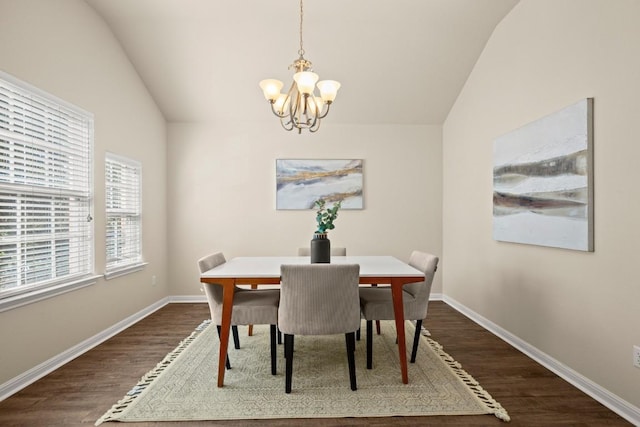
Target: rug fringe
x,y
495,407
148,378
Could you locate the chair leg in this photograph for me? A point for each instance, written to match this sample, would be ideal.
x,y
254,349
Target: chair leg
x,y
358,334
227,363
236,337
272,335
416,341
288,356
279,337
369,344
351,348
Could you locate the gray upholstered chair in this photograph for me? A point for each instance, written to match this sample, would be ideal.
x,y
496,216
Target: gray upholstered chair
x,y
319,299
377,303
337,251
334,251
207,263
250,307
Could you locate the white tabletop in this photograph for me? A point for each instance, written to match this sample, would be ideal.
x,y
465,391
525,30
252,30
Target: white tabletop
x,y
269,267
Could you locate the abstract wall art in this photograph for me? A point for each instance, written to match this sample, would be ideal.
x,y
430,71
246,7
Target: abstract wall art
x,y
299,183
543,181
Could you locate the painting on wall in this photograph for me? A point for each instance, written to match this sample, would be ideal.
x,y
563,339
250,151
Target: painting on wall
x,y
299,183
543,181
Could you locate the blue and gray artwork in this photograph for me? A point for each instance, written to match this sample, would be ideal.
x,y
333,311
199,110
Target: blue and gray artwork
x,y
542,191
299,183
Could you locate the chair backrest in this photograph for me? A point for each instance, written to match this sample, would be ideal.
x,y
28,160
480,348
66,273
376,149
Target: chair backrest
x,y
335,251
319,299
213,292
428,264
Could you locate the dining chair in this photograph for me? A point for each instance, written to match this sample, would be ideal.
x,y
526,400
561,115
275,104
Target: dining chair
x,y
337,251
250,307
207,263
319,299
376,303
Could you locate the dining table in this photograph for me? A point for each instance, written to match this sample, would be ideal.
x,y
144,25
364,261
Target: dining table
x,y
265,270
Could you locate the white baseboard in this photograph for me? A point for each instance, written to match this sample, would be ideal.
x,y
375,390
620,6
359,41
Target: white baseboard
x,y
435,297
189,299
621,407
16,384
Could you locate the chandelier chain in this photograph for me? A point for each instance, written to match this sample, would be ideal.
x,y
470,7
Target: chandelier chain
x,y
301,50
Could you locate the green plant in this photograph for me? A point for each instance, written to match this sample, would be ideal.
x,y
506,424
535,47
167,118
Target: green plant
x,y
326,216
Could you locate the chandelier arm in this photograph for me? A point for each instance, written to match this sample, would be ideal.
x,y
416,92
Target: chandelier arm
x,y
274,111
286,126
313,110
294,108
304,112
315,126
325,109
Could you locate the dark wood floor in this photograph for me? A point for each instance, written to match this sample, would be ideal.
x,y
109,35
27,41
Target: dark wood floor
x,y
78,393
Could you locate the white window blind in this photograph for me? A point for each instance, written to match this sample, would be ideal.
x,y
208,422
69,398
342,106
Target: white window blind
x,y
46,234
123,204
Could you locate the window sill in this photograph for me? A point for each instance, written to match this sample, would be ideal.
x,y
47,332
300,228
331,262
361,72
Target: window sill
x,y
20,300
121,271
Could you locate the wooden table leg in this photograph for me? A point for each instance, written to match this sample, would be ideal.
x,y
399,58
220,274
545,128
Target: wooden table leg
x,y
373,285
398,310
227,307
253,286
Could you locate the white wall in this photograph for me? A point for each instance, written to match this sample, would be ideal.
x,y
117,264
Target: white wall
x,y
65,49
222,192
579,308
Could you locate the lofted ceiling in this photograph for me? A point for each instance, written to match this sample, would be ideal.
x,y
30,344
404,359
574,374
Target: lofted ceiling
x,y
399,61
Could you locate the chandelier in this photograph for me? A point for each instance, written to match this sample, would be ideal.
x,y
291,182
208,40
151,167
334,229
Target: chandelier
x,y
300,108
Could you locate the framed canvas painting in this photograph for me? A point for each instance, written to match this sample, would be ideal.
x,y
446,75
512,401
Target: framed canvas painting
x,y
299,183
543,181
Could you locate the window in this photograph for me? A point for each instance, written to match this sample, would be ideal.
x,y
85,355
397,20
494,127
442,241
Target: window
x,y
46,233
124,225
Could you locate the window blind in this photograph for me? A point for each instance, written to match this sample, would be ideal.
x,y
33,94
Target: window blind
x,y
123,208
46,234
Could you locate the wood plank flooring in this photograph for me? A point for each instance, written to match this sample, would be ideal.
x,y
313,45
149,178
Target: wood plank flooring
x,y
78,393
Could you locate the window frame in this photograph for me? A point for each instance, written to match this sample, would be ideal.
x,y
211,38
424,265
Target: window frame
x,y
49,107
135,263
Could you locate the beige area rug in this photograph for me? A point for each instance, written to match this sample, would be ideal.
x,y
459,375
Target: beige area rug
x,y
183,386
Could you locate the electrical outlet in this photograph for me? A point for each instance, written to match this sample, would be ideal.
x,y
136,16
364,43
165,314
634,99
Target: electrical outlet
x,y
636,356
153,280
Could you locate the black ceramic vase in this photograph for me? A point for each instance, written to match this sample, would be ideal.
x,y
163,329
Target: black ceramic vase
x,y
320,248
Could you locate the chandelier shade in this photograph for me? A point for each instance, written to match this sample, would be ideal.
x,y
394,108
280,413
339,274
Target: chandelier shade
x,y
300,108
328,90
271,88
305,80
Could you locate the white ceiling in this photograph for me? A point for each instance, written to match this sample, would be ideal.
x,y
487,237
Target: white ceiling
x,y
399,61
